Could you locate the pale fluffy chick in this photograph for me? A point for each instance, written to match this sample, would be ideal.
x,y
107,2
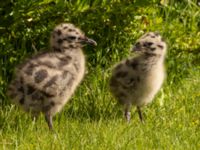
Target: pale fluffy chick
x,y
136,80
46,81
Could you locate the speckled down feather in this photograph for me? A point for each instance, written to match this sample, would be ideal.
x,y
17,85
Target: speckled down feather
x,y
136,80
47,80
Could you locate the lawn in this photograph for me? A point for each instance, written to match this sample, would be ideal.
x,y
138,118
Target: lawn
x,y
171,122
93,119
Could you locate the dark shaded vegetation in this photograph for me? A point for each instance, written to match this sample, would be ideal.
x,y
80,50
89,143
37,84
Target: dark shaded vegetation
x,y
26,25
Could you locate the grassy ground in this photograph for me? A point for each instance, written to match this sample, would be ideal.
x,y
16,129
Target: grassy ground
x,y
93,119
172,122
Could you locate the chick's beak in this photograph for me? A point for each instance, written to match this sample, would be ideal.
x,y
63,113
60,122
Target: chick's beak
x,y
89,41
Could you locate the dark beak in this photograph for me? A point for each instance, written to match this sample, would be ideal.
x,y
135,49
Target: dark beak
x,y
89,41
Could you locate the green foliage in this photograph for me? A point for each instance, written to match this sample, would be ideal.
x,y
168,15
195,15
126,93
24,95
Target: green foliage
x,y
25,27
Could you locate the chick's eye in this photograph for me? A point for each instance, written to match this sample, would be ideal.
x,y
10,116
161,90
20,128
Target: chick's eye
x,y
71,37
147,44
160,46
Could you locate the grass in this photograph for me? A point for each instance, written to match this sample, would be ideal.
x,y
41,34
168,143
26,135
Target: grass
x,y
172,124
93,119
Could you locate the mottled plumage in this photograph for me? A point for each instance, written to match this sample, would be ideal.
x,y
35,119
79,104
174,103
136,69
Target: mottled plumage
x,y
136,80
46,81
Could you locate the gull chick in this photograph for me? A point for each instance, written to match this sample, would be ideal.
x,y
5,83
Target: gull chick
x,y
46,81
136,80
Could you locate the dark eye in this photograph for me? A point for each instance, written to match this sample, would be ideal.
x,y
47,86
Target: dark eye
x,y
65,27
147,44
153,49
160,46
71,37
